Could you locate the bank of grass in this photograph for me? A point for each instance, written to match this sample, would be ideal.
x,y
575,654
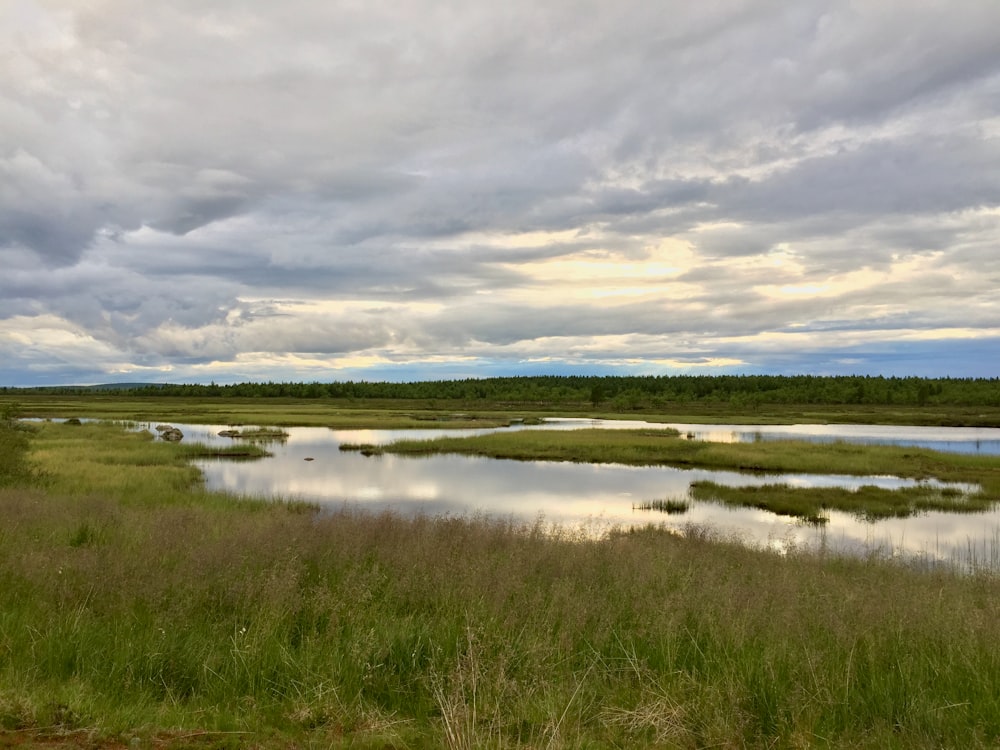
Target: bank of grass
x,y
869,503
127,466
639,447
663,447
174,617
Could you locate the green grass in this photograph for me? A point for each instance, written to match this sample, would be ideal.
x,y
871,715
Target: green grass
x,y
639,447
251,411
868,502
14,466
261,434
135,605
239,452
127,466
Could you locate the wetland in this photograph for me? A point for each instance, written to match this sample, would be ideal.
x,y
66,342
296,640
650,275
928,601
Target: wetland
x,y
147,601
582,481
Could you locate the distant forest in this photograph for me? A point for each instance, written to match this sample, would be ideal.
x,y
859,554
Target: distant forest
x,y
618,392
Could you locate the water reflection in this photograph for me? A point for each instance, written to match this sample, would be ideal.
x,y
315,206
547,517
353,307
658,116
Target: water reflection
x,y
589,496
972,440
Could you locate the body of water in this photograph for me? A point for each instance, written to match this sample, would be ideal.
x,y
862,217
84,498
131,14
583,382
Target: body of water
x,y
595,497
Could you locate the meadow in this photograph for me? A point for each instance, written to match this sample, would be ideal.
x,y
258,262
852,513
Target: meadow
x,y
137,609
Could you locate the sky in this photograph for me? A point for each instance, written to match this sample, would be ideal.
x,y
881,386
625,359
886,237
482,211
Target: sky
x,y
197,191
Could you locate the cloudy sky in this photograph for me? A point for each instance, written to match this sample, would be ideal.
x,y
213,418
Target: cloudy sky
x,y
230,191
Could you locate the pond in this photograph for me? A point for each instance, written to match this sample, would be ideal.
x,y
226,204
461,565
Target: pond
x,y
592,497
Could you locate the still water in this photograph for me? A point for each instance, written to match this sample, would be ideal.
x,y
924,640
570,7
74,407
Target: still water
x,y
593,497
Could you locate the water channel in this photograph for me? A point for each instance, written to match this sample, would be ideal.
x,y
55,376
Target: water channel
x,y
591,498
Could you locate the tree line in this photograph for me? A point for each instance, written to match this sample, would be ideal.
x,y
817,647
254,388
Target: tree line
x,y
620,392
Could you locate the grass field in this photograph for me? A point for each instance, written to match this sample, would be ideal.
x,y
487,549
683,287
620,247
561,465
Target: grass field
x,y
138,609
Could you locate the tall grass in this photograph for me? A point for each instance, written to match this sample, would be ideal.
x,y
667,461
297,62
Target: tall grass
x,y
164,612
14,465
669,506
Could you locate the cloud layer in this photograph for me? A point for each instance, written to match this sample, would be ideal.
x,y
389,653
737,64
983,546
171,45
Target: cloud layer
x,y
303,191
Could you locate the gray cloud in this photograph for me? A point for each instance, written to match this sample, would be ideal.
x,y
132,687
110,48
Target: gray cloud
x,y
918,176
204,184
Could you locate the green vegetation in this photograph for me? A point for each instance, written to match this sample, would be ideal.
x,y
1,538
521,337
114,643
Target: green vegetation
x,y
260,434
239,411
228,451
137,608
623,393
662,447
868,502
671,507
14,466
681,398
639,447
131,467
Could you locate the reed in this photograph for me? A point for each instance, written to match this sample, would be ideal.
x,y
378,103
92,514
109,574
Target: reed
x,y
669,506
868,502
261,434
